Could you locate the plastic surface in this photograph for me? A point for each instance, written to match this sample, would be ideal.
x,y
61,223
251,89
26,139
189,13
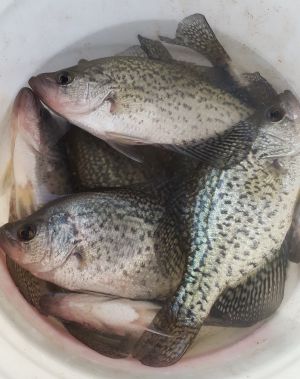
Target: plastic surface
x,y
42,35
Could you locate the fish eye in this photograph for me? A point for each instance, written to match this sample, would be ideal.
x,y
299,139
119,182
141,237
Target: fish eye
x,y
275,114
64,78
26,232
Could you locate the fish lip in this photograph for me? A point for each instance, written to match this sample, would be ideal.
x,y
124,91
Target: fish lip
x,y
39,82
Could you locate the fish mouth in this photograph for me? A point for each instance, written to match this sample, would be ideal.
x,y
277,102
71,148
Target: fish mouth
x,y
44,86
48,91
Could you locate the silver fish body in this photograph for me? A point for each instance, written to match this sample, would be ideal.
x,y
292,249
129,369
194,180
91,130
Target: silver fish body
x,y
232,222
133,100
100,242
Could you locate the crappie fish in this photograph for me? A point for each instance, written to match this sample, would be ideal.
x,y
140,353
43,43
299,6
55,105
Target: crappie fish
x,y
99,242
39,174
134,100
232,222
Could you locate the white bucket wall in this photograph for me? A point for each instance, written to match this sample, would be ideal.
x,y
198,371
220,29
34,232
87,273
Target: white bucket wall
x,y
38,35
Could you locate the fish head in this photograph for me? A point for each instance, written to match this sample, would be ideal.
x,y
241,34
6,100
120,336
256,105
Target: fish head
x,y
278,139
40,243
76,91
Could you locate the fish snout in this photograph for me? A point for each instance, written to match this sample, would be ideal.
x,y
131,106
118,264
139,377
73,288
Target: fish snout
x,y
44,86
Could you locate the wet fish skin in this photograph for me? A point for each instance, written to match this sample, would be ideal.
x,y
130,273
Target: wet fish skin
x,y
243,214
100,242
133,100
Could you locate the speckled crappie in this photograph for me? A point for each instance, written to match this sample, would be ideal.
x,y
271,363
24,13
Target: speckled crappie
x,y
100,242
232,222
135,100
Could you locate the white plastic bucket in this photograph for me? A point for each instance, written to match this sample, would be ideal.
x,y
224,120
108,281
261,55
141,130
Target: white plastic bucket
x,y
41,35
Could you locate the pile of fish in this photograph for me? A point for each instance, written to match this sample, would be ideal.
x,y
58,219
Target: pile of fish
x,y
163,198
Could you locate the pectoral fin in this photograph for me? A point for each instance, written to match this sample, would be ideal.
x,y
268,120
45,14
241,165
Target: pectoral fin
x,y
129,150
